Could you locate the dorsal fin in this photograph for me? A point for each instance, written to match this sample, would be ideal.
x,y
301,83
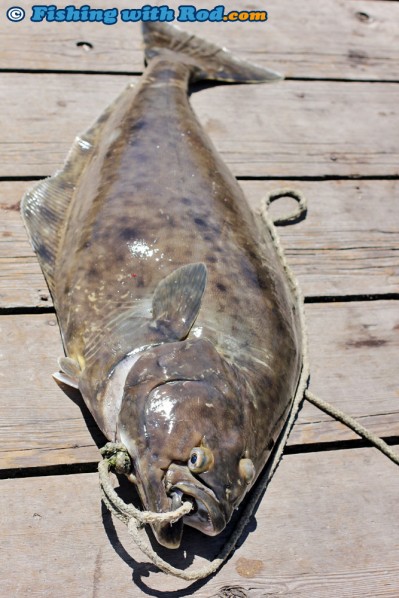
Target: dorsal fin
x,y
44,208
177,300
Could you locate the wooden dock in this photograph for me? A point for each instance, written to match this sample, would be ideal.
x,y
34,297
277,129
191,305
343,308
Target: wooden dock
x,y
328,525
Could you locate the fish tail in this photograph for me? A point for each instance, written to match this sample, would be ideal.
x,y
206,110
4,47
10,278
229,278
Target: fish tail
x,y
208,60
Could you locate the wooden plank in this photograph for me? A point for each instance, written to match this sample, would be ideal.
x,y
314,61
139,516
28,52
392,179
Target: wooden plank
x,y
326,527
353,350
334,40
346,246
291,128
40,424
353,355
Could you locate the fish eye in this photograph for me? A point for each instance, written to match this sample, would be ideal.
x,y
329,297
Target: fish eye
x,y
201,459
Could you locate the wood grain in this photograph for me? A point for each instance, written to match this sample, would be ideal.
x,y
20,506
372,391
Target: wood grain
x,y
346,246
40,425
292,128
353,356
335,39
327,526
353,348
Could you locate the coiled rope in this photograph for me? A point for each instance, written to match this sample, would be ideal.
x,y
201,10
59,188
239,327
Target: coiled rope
x,y
116,456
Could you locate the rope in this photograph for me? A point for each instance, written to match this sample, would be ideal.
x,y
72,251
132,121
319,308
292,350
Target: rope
x,y
349,421
116,455
295,216
135,519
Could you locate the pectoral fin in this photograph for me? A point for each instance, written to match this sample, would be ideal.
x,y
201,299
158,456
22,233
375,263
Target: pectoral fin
x,y
177,300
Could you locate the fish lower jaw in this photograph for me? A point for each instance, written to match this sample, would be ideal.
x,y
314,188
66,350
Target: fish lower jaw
x,y
206,527
206,515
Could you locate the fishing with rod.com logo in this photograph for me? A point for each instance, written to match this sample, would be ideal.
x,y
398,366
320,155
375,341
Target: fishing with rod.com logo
x,y
147,13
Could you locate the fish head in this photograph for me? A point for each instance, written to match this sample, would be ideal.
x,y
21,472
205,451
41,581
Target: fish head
x,y
190,442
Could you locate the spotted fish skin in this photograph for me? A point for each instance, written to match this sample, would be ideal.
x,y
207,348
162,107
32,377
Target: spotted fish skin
x,y
143,194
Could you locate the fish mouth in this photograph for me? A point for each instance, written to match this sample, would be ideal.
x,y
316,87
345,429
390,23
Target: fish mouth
x,y
206,514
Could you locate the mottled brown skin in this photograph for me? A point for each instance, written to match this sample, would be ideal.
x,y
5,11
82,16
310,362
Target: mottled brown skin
x,y
155,195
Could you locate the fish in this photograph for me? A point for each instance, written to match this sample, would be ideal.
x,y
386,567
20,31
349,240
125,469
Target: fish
x,y
180,326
